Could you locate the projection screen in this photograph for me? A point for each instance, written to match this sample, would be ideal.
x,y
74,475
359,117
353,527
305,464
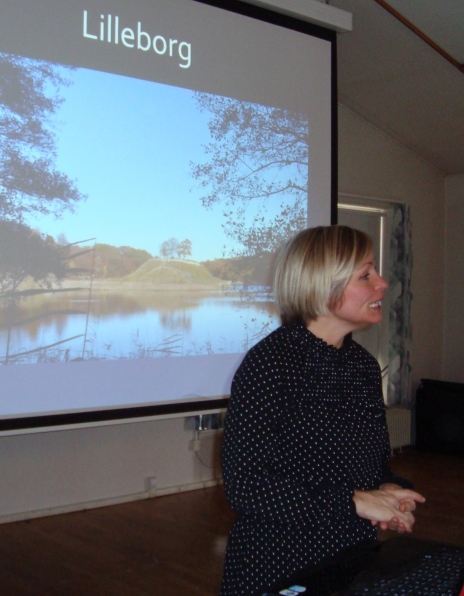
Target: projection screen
x,y
154,156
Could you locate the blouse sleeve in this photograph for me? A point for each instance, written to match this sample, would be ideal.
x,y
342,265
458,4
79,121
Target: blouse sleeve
x,y
251,427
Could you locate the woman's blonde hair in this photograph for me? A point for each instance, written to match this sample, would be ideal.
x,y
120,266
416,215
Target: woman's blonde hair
x,y
314,268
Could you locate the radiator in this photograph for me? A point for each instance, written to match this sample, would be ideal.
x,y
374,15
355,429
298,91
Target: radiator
x,y
399,426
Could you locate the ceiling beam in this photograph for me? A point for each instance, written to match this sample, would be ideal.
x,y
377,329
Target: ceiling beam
x,y
420,34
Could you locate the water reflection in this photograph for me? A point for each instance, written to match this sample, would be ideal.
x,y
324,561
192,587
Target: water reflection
x,y
134,323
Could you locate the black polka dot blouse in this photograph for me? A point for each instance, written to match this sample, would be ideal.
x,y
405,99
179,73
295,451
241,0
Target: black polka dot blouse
x,y
305,427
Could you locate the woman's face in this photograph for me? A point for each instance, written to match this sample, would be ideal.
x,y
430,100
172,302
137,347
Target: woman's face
x,y
361,303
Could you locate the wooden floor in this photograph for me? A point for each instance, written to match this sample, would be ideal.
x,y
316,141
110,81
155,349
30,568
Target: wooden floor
x,y
175,545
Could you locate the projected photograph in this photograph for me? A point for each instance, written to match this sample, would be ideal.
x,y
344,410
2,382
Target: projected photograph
x,y
139,219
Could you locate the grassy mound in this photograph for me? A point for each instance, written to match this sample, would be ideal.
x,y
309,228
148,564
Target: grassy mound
x,y
172,271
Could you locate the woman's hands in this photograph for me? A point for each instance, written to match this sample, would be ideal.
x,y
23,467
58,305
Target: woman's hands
x,y
389,507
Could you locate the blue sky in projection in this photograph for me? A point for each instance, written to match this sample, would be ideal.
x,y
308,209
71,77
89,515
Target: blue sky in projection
x,y
129,145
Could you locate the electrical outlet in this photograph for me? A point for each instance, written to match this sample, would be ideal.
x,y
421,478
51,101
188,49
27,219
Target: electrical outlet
x,y
150,484
204,422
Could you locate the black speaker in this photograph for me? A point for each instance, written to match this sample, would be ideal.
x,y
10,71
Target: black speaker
x,y
440,416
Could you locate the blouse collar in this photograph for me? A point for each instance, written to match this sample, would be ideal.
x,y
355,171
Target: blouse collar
x,y
318,346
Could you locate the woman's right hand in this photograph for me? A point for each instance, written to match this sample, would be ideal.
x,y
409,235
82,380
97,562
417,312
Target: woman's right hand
x,y
384,507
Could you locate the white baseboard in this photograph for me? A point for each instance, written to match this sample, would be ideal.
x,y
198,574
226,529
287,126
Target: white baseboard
x,y
148,494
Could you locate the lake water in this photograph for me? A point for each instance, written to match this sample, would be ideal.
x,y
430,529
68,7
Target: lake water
x,y
135,324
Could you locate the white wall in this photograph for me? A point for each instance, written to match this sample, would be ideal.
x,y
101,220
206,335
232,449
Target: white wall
x,y
453,345
66,470
372,164
60,471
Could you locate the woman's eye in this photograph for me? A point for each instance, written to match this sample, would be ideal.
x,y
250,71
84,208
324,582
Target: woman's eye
x,y
365,276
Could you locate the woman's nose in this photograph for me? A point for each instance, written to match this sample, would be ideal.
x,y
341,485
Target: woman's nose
x,y
382,283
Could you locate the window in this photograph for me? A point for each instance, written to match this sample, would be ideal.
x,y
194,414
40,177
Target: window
x,y
388,225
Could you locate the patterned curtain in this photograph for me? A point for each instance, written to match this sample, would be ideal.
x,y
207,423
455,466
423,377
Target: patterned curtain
x,y
399,389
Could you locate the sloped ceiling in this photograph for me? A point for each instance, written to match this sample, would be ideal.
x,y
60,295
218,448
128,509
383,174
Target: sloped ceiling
x,y
392,78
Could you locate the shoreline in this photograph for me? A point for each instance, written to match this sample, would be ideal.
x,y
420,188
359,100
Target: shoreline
x,y
121,285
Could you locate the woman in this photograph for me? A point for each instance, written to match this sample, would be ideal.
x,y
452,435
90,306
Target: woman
x,y
306,448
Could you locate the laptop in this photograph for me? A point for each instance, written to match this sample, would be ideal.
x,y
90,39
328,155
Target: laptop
x,y
401,565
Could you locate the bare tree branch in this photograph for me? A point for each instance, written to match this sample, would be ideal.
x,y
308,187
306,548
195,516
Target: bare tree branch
x,y
256,166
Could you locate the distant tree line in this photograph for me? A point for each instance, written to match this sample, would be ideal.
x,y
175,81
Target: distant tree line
x,y
106,261
246,270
